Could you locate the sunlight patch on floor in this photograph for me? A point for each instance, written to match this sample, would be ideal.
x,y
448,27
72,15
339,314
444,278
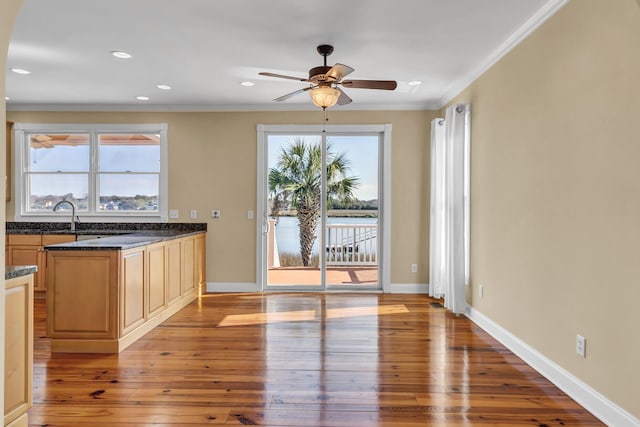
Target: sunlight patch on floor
x,y
302,315
264,318
334,313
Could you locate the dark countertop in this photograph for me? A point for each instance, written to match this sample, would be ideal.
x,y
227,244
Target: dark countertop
x,y
13,271
112,236
101,228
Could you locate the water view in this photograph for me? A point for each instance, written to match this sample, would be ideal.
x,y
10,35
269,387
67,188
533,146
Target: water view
x,y
288,232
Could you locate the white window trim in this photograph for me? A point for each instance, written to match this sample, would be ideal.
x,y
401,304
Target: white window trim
x,y
385,220
19,150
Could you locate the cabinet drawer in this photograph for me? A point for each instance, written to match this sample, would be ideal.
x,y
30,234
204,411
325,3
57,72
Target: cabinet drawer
x,y
25,239
52,239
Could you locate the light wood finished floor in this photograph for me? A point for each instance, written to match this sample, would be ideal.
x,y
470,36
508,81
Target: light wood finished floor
x,y
285,359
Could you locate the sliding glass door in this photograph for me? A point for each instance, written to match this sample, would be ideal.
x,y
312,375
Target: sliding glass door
x,y
320,211
351,226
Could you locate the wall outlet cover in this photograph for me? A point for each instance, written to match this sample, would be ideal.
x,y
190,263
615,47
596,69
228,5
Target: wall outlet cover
x,y
581,345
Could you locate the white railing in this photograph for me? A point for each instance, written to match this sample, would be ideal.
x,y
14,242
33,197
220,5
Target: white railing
x,y
351,244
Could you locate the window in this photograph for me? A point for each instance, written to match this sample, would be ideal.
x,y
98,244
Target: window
x,y
109,172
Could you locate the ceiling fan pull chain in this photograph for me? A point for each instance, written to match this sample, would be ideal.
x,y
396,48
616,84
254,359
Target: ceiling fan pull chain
x,y
325,118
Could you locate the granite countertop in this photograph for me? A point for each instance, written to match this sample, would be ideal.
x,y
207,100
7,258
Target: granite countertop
x,y
101,228
13,271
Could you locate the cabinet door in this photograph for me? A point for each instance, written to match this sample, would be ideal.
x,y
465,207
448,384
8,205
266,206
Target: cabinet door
x,y
132,300
18,341
201,262
188,265
174,270
156,279
29,255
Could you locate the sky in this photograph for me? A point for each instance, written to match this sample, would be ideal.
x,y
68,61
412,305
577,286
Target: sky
x,y
113,158
361,150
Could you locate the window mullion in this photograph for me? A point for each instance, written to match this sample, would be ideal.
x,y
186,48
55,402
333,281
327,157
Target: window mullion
x,y
94,182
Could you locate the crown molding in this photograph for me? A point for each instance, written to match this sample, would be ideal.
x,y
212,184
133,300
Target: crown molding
x,y
215,108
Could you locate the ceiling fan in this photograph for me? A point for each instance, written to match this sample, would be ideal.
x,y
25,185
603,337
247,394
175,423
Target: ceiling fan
x,y
324,82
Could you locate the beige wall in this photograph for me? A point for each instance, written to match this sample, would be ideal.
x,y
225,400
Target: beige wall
x,y
212,165
556,193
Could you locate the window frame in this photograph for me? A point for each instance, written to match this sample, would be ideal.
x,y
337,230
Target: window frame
x,y
20,150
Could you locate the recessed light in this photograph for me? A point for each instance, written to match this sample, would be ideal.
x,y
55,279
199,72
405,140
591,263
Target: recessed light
x,y
414,83
120,54
142,98
20,71
6,98
164,87
247,84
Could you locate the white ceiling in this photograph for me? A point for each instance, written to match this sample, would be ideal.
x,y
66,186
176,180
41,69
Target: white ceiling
x,y
205,48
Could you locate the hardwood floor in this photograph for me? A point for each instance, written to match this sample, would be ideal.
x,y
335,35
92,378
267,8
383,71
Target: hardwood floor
x,y
300,360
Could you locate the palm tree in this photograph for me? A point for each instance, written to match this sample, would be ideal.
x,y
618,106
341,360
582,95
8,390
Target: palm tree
x,y
297,180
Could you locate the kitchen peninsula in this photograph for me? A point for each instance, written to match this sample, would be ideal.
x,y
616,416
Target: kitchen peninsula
x,y
106,291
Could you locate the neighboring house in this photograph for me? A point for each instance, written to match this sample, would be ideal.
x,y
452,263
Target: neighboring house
x,y
555,213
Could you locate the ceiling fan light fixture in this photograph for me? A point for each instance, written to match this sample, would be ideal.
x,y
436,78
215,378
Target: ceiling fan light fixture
x,y
324,96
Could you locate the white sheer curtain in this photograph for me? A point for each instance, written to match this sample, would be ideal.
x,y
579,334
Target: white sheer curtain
x,y
449,217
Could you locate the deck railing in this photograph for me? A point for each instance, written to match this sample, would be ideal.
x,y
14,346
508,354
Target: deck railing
x,y
351,244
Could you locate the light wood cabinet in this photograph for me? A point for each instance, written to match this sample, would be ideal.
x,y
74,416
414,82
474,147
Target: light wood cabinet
x,y
156,263
86,299
132,290
125,293
173,253
28,249
188,265
200,262
18,341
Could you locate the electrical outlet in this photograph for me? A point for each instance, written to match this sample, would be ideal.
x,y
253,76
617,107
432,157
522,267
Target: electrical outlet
x,y
193,214
581,345
414,268
249,214
173,213
215,213
481,290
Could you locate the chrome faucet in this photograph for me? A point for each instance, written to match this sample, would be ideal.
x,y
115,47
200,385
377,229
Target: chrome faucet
x,y
74,218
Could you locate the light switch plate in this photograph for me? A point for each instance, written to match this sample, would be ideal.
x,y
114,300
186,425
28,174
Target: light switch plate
x,y
173,213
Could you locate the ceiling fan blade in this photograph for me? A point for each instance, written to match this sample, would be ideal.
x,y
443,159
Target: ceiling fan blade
x,y
338,72
371,84
343,99
294,93
282,76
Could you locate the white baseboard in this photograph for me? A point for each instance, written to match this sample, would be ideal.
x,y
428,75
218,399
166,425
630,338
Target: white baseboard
x,y
601,407
396,288
409,288
232,287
